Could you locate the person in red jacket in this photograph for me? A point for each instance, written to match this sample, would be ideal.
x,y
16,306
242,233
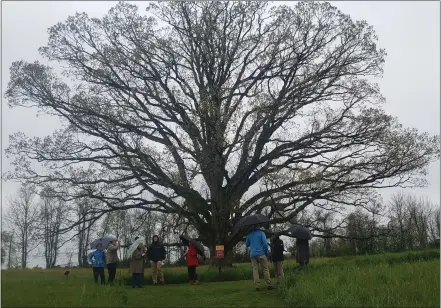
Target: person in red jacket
x,y
191,256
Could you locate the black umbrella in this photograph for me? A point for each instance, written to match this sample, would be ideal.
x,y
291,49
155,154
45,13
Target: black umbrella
x,y
187,240
250,220
300,232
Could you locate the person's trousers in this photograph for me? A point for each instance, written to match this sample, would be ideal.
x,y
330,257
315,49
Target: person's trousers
x,y
157,272
111,268
278,270
99,271
263,261
137,279
192,275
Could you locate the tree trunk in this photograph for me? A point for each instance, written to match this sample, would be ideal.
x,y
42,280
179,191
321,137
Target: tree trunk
x,y
227,261
10,252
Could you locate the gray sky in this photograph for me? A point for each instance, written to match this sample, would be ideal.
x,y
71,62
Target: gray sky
x,y
409,31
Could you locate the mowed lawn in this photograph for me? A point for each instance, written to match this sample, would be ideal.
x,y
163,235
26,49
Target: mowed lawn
x,y
410,279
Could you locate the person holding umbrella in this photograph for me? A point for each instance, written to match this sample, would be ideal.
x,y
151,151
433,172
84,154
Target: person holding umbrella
x,y
112,260
302,252
303,235
156,254
98,258
191,257
257,243
136,253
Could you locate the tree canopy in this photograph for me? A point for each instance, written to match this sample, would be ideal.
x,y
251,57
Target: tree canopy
x,y
215,110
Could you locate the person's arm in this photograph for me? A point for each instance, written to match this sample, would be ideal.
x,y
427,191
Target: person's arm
x,y
282,246
264,243
137,255
247,241
112,247
90,257
164,252
186,251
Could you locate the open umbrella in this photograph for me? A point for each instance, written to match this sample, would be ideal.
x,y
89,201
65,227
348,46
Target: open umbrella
x,y
300,232
187,240
250,220
133,247
104,241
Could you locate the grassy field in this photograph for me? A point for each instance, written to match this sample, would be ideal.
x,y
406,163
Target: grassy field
x,y
409,279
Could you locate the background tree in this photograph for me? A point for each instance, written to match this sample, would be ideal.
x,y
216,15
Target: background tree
x,y
207,109
8,249
51,221
84,229
22,216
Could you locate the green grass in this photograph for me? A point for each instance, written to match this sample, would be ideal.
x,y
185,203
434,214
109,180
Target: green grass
x,y
391,281
408,279
49,292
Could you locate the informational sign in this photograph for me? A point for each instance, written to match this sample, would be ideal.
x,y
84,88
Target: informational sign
x,y
220,251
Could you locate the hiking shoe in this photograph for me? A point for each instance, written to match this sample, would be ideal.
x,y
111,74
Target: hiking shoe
x,y
257,289
270,287
162,283
155,283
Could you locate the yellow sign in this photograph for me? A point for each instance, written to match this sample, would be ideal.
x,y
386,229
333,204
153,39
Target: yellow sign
x,y
220,247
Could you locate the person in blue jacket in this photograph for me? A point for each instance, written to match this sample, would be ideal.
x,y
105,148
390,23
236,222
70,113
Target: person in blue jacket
x,y
98,260
257,243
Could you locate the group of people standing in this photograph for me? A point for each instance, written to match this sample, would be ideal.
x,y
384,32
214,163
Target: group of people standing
x,y
155,253
100,258
256,242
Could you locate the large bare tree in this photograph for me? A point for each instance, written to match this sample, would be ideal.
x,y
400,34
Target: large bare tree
x,y
215,110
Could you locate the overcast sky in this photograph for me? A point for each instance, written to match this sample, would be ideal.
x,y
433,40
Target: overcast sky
x,y
409,31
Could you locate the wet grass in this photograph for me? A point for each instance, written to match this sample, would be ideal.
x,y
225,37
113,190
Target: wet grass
x,y
409,279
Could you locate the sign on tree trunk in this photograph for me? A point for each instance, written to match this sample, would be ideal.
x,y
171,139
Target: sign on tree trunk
x,y
220,252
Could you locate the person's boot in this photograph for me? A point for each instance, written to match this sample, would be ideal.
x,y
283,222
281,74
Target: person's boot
x,y
196,282
190,282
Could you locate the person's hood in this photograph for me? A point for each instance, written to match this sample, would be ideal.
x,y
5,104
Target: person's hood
x,y
158,241
254,230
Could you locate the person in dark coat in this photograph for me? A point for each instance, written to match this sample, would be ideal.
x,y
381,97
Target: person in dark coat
x,y
156,254
277,249
302,252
